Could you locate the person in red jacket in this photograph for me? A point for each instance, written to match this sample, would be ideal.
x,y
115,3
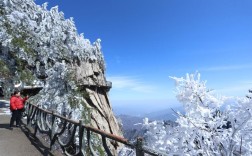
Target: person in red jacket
x,y
16,106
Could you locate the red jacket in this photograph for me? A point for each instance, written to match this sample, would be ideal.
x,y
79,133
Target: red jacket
x,y
16,102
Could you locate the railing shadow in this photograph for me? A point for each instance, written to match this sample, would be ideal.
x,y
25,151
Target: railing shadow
x,y
36,142
6,126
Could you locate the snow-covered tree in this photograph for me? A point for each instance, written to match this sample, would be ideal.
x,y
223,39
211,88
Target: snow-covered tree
x,y
211,125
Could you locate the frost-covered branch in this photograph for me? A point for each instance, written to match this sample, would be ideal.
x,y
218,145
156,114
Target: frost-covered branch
x,y
211,125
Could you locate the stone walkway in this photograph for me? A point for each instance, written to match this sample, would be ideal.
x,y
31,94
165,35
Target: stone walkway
x,y
19,141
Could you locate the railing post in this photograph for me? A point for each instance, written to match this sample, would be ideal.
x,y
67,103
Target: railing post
x,y
36,121
28,113
139,147
51,131
81,130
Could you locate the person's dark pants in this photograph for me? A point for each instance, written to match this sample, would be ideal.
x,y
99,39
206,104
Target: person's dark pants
x,y
16,116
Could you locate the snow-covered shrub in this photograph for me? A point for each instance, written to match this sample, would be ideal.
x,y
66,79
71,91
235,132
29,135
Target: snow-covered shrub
x,y
211,125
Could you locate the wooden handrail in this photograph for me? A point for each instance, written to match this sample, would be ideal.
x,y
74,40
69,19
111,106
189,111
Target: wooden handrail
x,y
38,118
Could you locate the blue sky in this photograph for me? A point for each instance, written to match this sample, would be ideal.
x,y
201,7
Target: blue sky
x,y
146,41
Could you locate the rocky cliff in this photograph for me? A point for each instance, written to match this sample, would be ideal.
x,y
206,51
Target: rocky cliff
x,y
40,48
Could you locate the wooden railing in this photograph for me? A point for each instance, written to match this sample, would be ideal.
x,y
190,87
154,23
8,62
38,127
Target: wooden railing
x,y
65,131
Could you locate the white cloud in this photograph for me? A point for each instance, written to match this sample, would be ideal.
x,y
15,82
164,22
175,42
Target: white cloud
x,y
224,68
130,83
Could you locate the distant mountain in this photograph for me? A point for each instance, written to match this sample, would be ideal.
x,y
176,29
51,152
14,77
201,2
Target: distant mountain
x,y
132,125
166,114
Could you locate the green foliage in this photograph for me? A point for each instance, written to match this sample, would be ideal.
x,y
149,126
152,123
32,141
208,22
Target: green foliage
x,y
8,27
73,102
2,12
19,37
82,91
4,70
78,92
96,145
21,64
20,43
86,114
27,76
100,150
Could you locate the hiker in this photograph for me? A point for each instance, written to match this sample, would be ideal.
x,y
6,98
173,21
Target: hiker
x,y
16,107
